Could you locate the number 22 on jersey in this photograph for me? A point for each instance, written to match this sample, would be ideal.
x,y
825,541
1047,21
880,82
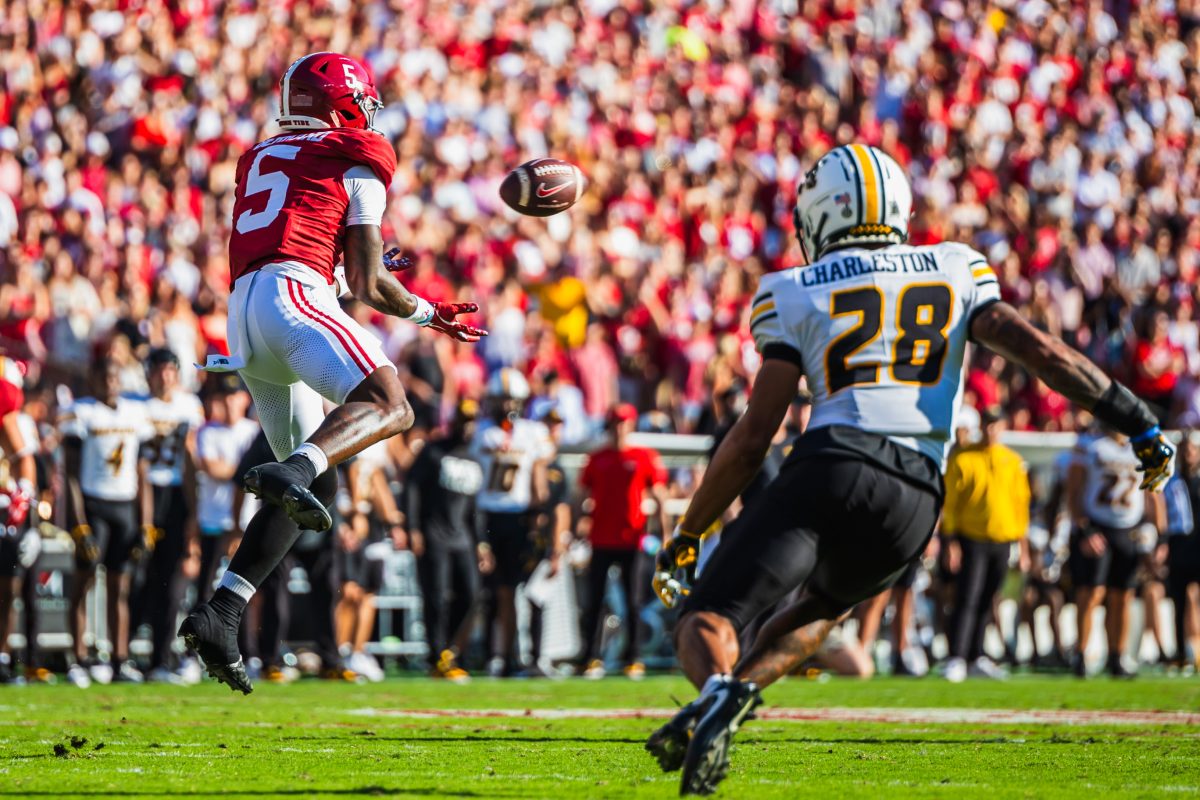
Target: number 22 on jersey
x,y
918,352
274,182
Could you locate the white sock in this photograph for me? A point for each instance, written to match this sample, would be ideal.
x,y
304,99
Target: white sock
x,y
713,683
314,454
238,585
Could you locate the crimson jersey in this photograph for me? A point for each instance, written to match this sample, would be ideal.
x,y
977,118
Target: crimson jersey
x,y
290,202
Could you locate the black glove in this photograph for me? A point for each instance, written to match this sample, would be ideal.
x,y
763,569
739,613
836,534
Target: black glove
x,y
1157,456
675,567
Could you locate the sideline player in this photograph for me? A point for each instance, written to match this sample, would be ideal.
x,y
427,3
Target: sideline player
x,y
176,415
879,328
513,453
107,496
304,197
20,543
1108,514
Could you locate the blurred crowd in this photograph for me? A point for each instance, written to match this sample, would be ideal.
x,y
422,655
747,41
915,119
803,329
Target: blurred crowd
x,y
1056,138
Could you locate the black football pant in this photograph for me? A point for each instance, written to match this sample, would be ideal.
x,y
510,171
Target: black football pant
x,y
597,580
982,571
449,580
164,587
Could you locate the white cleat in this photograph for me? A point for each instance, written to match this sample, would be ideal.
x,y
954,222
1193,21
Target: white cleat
x,y
984,667
955,670
78,676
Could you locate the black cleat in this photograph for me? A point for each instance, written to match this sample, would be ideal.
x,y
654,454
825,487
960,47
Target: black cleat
x,y
1117,669
274,484
216,643
669,743
707,759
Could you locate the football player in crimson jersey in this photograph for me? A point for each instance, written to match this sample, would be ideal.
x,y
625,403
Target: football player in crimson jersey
x,y
305,199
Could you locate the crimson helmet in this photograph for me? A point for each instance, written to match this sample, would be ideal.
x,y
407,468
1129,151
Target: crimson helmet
x,y
327,90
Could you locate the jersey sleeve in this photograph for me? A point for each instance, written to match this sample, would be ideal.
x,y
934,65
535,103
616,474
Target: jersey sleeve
x,y
373,151
72,421
766,324
983,285
655,469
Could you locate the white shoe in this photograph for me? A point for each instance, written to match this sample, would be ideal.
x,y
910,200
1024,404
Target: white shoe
x,y
984,667
101,672
366,665
190,672
595,670
78,675
164,675
955,670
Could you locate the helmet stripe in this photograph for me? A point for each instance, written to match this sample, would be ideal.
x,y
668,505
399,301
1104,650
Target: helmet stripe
x,y
882,184
287,84
868,176
858,182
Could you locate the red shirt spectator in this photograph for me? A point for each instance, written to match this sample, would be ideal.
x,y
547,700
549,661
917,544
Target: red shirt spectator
x,y
618,477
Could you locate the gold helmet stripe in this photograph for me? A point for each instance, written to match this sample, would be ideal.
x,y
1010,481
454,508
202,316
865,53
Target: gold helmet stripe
x,y
866,166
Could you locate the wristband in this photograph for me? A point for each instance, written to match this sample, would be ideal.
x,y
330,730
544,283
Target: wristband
x,y
1153,433
1119,408
424,313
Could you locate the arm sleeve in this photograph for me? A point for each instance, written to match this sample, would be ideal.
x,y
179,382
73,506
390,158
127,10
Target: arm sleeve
x,y
366,196
985,286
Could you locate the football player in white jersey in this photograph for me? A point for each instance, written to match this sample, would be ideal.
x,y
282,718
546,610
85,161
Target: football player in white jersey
x,y
880,329
513,453
1113,524
108,506
176,414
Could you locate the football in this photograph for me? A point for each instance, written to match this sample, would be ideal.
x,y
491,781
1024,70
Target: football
x,y
543,187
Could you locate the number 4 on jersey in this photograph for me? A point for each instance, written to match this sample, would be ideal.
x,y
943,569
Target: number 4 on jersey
x,y
919,350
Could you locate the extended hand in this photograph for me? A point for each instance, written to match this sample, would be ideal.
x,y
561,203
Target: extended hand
x,y
444,322
394,262
1157,456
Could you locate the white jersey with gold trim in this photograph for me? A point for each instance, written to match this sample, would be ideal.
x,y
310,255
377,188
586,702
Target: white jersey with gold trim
x,y
881,335
507,455
1111,496
172,420
111,439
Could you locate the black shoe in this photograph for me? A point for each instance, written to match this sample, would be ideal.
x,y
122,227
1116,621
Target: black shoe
x,y
276,483
1079,665
707,758
1117,669
669,743
206,634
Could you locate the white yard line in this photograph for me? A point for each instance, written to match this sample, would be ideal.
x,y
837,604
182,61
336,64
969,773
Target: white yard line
x,y
976,716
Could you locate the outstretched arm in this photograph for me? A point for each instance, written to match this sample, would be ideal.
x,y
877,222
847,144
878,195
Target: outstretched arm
x,y
1000,328
368,277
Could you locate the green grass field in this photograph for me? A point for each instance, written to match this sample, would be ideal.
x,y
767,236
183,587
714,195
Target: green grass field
x,y
321,740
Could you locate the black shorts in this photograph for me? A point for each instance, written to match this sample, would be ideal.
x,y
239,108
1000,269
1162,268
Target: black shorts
x,y
355,567
115,528
171,510
1183,561
511,538
909,576
1115,569
841,525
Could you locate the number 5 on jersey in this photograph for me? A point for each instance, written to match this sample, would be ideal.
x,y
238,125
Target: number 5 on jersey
x,y
274,182
919,341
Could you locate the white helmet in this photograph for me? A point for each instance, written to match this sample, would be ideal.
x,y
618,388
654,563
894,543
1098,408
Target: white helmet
x,y
509,384
854,195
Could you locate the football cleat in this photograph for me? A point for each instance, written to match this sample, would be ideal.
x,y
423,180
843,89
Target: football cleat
x,y
447,668
207,635
707,758
669,743
273,483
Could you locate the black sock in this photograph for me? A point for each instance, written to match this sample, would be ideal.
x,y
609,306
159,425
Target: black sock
x,y
305,464
228,605
271,533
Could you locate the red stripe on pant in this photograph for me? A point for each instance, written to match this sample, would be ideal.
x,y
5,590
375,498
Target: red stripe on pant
x,y
305,309
337,324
